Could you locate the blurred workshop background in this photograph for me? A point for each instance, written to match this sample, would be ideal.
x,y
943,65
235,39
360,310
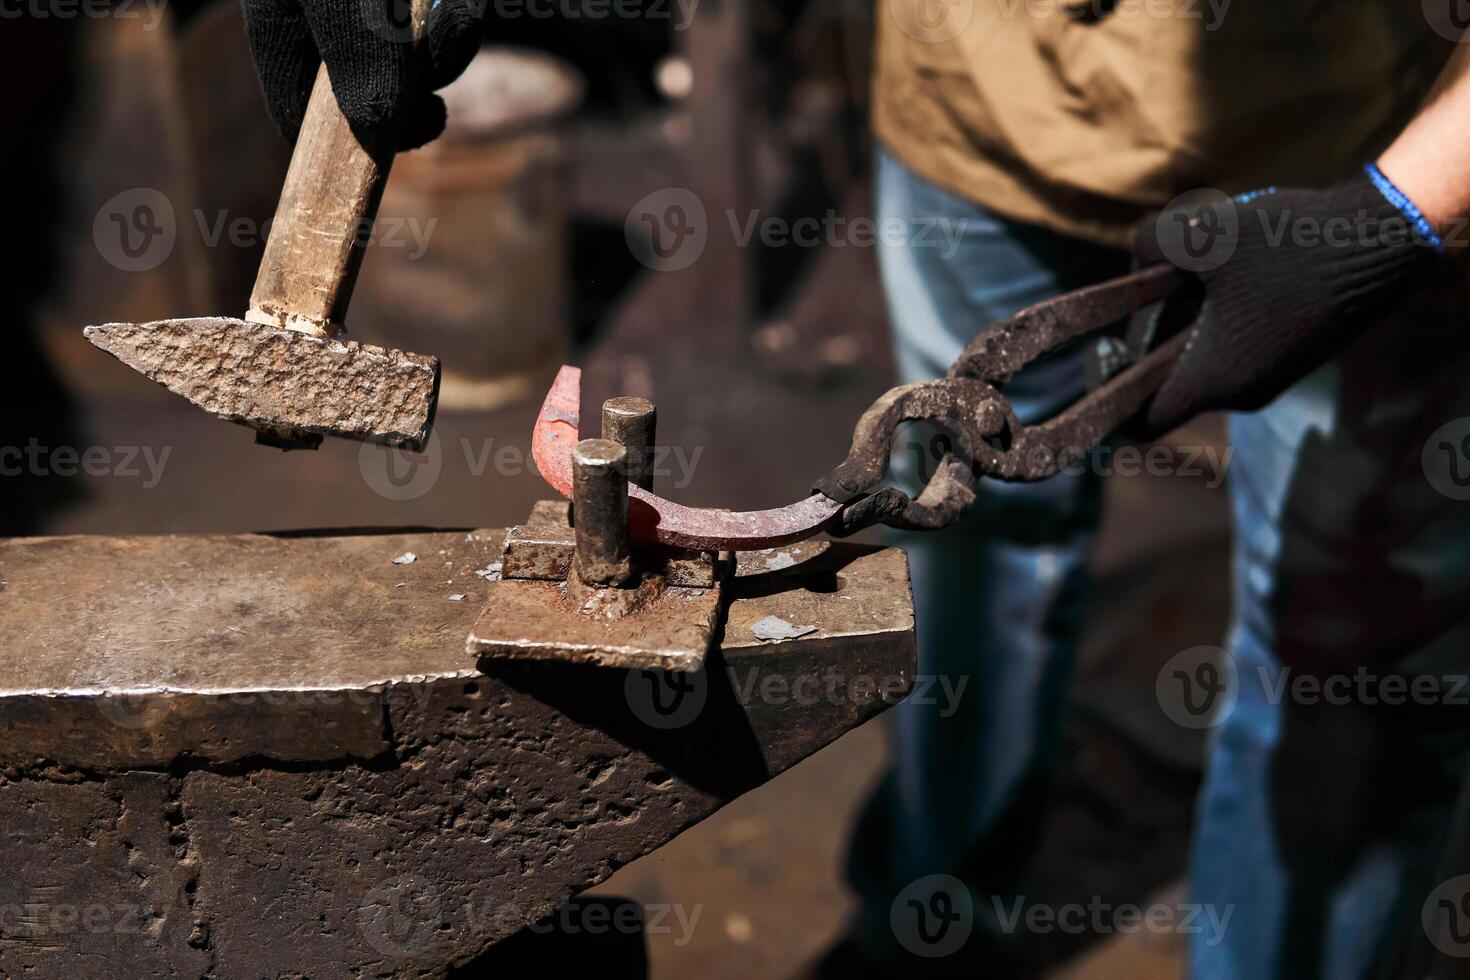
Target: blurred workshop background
x,y
142,170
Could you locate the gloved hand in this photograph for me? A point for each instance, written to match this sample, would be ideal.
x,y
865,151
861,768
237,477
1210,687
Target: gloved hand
x,y
1289,278
369,56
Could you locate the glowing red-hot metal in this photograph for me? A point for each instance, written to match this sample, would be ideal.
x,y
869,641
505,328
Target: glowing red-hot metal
x,y
654,520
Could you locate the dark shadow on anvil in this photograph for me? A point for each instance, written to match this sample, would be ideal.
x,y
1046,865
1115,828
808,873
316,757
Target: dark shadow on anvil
x,y
820,573
590,932
716,751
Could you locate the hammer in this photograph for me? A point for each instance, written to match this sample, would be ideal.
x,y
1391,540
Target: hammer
x,y
283,369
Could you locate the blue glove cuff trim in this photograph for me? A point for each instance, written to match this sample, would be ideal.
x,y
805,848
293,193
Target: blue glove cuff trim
x,y
1250,196
1406,207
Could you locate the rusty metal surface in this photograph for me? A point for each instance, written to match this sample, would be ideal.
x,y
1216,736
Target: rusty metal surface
x,y
651,626
633,422
1005,347
542,550
662,616
224,840
600,504
654,520
270,378
696,568
858,599
538,550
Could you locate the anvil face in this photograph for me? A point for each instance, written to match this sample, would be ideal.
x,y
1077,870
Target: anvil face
x,y
270,378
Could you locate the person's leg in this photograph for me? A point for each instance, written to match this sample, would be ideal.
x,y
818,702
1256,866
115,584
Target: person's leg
x,y
997,597
1236,869
1328,789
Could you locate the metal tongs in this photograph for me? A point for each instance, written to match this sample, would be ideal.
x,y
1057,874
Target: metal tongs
x,y
989,440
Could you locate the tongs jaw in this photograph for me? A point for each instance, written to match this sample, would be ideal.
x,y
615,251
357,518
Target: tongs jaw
x,y
986,437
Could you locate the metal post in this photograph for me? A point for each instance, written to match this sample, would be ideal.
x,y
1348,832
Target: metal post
x,y
632,421
600,509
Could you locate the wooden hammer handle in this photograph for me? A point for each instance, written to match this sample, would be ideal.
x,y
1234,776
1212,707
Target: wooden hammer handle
x,y
328,202
322,220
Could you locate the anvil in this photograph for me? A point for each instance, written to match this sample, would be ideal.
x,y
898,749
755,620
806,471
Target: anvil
x,y
261,755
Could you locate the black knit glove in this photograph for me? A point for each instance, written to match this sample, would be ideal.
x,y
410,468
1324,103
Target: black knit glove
x,y
367,47
1289,278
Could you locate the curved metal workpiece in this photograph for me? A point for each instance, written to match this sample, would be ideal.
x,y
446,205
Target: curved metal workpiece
x,y
654,520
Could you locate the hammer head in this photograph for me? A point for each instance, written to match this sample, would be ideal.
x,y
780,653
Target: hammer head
x,y
278,380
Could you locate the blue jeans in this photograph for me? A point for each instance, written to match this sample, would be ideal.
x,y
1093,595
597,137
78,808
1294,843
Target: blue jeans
x,y
1000,598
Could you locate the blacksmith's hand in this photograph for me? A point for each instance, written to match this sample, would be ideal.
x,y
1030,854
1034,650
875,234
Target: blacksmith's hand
x,y
367,46
1288,278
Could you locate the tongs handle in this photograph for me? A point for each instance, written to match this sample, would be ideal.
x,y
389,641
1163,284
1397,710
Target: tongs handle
x,y
1008,345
